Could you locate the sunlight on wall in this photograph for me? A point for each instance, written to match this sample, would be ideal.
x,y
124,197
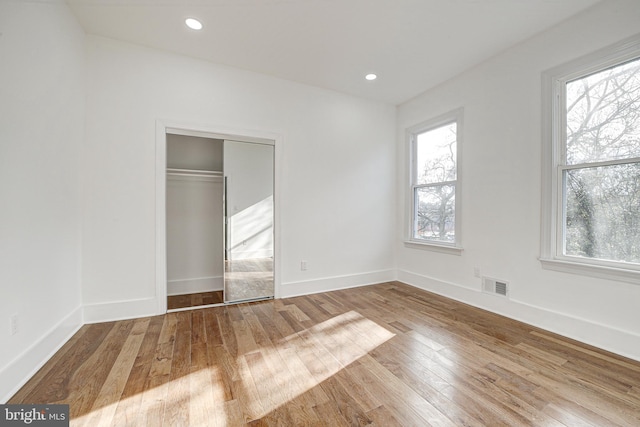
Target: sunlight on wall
x,y
252,231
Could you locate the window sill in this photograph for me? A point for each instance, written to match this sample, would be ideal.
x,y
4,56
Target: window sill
x,y
446,249
592,270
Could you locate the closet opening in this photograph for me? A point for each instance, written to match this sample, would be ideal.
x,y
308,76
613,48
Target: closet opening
x,y
219,219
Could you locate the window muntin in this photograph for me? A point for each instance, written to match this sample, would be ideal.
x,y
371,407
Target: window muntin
x,y
435,183
599,169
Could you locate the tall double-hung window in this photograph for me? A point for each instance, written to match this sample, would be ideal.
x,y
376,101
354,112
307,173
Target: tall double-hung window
x,y
593,161
435,202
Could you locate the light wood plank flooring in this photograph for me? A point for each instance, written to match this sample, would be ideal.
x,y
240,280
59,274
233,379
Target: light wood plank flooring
x,y
384,355
244,280
194,300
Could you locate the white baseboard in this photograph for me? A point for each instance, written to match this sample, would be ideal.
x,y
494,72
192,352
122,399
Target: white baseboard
x,y
326,284
120,310
194,286
624,343
23,367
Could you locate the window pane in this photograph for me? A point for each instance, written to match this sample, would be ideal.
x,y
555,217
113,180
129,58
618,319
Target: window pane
x,y
602,213
603,115
436,155
435,216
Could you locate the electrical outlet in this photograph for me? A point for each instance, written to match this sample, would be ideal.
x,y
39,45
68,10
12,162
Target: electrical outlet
x,y
303,265
13,324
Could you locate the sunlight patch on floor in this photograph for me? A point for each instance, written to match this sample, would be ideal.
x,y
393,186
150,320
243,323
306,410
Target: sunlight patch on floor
x,y
303,360
266,378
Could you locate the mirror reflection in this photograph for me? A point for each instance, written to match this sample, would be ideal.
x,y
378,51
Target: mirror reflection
x,y
248,195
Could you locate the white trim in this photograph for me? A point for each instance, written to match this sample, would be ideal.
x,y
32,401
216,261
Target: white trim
x,y
551,248
15,375
454,116
587,165
592,270
161,217
195,285
621,51
120,310
216,132
327,284
433,246
622,342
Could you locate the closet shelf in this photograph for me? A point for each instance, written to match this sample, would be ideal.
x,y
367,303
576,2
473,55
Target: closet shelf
x,y
193,172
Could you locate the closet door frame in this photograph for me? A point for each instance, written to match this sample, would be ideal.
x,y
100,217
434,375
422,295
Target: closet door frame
x,y
164,127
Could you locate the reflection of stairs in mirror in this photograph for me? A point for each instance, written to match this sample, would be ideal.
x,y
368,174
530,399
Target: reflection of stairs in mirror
x,y
248,279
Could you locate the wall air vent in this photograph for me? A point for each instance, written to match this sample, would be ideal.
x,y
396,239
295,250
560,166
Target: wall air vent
x,y
495,286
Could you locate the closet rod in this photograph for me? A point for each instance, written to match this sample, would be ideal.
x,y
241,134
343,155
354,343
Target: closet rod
x,y
193,172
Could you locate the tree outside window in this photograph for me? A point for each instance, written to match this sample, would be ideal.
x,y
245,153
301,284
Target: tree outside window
x,y
600,168
434,181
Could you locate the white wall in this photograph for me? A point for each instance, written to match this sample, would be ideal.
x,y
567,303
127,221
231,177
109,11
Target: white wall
x,y
195,261
41,129
337,171
501,190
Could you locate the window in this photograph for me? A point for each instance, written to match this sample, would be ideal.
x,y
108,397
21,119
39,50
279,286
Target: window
x,y
435,152
594,163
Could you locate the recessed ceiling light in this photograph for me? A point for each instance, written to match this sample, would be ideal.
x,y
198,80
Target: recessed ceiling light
x,y
194,24
371,76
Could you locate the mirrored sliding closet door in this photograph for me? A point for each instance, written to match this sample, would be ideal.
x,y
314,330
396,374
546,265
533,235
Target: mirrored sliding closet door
x,y
248,213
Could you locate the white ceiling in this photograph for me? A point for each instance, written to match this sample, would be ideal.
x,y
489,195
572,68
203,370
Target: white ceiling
x,y
411,44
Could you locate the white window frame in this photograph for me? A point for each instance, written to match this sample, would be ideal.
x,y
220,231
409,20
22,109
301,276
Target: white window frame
x,y
553,164
454,248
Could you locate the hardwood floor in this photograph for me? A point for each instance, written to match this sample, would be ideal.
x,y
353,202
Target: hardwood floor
x,y
384,355
194,300
244,280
